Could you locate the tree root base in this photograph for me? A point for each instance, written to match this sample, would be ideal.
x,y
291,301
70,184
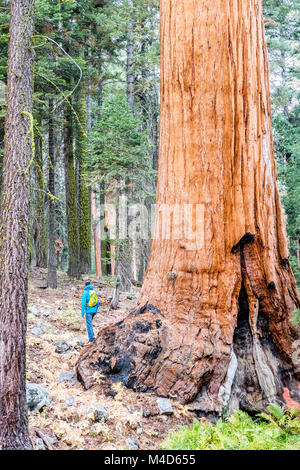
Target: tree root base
x,y
125,352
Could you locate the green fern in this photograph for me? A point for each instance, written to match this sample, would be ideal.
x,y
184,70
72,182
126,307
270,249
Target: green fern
x,y
276,411
296,317
287,420
273,430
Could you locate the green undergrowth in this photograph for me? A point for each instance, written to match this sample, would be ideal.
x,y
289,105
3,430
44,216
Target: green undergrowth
x,y
274,430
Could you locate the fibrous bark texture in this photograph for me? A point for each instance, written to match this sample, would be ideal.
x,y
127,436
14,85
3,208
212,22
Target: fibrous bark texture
x,y
96,230
71,209
39,230
52,260
85,228
212,325
19,148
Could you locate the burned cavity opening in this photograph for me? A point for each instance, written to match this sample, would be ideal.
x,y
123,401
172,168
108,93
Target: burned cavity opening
x,y
261,371
247,238
242,338
245,385
119,369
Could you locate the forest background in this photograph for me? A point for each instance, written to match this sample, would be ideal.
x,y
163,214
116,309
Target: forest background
x,y
96,128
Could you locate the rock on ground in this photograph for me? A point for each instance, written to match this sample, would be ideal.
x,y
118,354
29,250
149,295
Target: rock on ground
x,y
39,444
62,347
71,401
37,397
68,376
33,310
165,406
100,414
79,342
39,329
132,444
47,313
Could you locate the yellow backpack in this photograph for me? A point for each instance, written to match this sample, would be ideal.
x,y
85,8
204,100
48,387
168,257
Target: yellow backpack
x,y
93,299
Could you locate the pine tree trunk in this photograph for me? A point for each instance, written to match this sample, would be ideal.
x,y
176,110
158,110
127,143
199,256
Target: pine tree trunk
x,y
40,232
106,255
70,184
127,249
52,261
130,67
97,241
155,130
1,155
213,325
14,229
85,218
105,245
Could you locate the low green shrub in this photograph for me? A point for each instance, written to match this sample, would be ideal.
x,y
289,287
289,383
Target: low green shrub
x,y
276,429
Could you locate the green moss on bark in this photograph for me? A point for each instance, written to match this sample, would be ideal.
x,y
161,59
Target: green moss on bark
x,y
84,191
70,183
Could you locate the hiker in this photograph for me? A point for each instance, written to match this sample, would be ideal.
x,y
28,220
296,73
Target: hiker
x,y
89,307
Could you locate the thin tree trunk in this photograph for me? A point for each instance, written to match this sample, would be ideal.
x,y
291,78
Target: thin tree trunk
x,y
14,229
127,257
213,325
100,86
105,246
130,67
284,81
116,294
40,235
70,184
110,228
52,261
106,255
85,219
97,241
155,130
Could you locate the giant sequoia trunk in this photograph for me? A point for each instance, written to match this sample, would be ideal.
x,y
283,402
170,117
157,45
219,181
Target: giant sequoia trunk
x,y
212,325
14,228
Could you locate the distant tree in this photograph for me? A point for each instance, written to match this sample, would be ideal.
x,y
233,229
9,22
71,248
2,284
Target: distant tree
x,y
282,21
71,200
84,197
52,259
39,219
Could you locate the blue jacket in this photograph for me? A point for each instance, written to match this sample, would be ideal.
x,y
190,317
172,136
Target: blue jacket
x,y
85,300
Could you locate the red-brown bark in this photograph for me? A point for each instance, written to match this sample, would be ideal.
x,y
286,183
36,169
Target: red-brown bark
x,y
213,321
18,152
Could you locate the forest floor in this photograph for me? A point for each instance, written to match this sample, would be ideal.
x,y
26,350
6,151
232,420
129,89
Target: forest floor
x,y
68,422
